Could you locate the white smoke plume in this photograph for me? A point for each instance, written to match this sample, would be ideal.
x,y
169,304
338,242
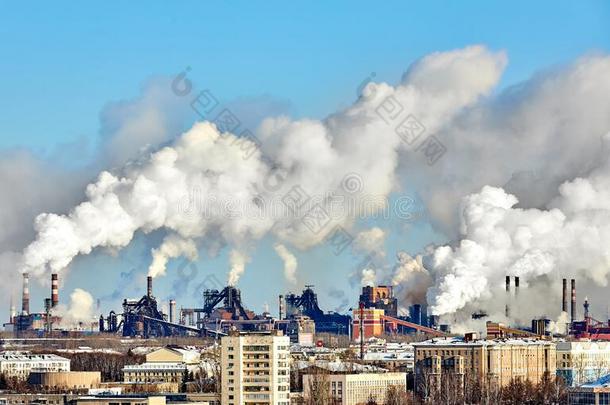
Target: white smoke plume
x,y
315,155
568,238
80,309
371,240
369,277
173,246
290,263
238,262
411,279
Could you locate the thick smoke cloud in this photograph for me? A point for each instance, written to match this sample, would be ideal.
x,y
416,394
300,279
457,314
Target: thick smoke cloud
x,y
530,160
569,238
314,155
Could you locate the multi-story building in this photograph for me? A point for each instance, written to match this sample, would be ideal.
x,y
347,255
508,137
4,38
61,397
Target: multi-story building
x,y
255,368
167,366
494,362
592,393
20,364
352,389
582,362
170,375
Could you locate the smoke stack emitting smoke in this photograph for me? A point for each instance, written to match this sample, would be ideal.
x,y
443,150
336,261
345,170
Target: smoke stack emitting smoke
x,y
496,236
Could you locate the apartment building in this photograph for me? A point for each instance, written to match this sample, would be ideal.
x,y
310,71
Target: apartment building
x,y
255,368
489,361
167,375
582,362
20,364
353,389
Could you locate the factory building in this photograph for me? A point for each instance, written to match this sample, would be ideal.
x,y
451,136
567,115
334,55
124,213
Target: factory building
x,y
582,362
380,297
255,368
29,321
372,323
353,389
494,362
20,364
306,304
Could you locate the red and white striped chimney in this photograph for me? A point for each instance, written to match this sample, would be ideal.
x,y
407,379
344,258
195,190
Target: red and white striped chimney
x,y
54,290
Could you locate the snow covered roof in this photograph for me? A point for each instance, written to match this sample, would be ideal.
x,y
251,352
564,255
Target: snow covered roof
x,y
458,341
602,382
340,366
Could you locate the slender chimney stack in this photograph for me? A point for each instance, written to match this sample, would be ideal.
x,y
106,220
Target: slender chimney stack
x,y
573,308
281,307
172,311
564,296
149,286
25,299
54,291
516,286
507,309
13,310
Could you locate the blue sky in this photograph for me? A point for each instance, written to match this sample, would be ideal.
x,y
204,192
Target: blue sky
x,y
61,63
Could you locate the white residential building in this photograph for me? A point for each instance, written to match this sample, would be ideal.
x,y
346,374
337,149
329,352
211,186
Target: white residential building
x,y
353,389
255,368
582,362
20,364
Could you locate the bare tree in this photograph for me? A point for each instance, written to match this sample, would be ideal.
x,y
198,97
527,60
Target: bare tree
x,y
396,395
319,389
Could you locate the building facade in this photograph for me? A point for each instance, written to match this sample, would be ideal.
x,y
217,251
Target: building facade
x,y
494,362
353,389
20,364
255,368
372,323
154,373
582,362
65,379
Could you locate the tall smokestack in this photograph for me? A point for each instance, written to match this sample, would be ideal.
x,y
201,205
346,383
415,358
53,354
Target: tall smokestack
x,y
564,296
516,286
149,286
281,307
54,290
172,311
13,310
25,298
507,309
573,308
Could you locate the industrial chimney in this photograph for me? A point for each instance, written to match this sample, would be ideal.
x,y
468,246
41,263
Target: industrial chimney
x,y
149,286
573,308
564,296
172,311
25,299
54,291
13,310
281,307
507,309
516,286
